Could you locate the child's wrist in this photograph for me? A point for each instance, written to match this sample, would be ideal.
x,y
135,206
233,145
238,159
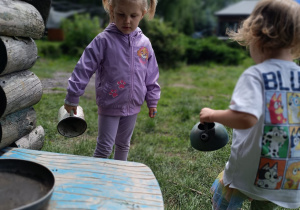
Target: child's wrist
x,y
69,103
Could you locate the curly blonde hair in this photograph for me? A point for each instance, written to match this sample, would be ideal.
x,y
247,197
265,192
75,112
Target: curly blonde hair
x,y
147,5
273,24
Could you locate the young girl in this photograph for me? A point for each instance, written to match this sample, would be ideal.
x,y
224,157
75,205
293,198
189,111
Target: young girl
x,y
126,75
264,165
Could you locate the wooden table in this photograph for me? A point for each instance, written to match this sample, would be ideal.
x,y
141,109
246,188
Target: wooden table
x,y
94,183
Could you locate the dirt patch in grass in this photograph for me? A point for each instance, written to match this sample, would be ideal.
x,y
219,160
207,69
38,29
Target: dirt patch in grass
x,y
59,83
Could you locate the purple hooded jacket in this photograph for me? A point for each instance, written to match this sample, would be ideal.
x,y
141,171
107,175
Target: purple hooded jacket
x,y
126,72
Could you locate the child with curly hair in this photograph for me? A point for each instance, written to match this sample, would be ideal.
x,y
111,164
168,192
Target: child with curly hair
x,y
264,112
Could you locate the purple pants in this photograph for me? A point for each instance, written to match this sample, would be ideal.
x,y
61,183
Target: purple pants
x,y
114,131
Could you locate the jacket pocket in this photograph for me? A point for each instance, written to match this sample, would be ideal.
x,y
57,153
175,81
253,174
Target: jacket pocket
x,y
102,94
139,96
112,95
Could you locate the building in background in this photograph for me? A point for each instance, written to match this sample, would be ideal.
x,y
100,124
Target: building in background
x,y
231,16
66,9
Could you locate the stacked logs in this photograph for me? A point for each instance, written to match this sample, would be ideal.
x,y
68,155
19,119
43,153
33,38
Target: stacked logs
x,y
21,22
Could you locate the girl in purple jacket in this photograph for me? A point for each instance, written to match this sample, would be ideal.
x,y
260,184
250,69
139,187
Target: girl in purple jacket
x,y
126,74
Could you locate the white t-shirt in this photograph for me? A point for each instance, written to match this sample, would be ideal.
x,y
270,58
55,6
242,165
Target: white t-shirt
x,y
265,159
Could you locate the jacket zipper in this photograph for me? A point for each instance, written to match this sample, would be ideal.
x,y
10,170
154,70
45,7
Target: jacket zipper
x,y
131,72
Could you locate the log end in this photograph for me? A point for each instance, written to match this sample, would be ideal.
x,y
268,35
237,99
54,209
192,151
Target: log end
x,y
42,6
0,132
3,99
3,57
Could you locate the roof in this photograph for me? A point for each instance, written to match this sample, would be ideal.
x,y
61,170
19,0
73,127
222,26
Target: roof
x,y
240,8
55,17
60,10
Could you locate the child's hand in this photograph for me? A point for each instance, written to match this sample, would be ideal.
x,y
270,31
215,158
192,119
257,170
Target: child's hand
x,y
71,108
206,115
152,112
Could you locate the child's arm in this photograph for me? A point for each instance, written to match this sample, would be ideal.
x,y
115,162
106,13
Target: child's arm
x,y
229,118
83,71
153,89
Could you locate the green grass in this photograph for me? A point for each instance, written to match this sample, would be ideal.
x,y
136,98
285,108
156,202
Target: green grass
x,y
45,68
51,60
184,174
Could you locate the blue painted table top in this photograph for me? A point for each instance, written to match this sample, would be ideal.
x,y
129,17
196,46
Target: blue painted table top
x,y
94,183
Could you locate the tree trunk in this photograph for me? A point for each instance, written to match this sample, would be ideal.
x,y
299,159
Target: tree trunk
x,y
18,18
18,91
16,54
33,140
16,125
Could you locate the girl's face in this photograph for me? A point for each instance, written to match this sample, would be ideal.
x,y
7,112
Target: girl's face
x,y
127,15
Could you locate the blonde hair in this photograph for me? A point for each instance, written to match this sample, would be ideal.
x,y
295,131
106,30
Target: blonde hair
x,y
147,5
273,24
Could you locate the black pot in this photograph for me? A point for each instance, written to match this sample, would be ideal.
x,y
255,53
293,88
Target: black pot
x,y
24,184
208,136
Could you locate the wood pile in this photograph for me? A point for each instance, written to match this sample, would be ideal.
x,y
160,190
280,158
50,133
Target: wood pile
x,y
21,22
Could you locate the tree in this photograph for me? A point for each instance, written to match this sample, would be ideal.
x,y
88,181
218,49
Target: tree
x,y
188,16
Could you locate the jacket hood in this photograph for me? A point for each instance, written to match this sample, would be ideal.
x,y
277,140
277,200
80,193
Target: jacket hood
x,y
112,28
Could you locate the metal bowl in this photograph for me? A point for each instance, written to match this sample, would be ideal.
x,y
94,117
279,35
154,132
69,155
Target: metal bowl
x,y
25,184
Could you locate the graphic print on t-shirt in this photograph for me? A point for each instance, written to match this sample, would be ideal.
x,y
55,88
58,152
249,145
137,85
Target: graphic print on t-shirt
x,y
279,167
275,141
294,107
292,176
270,173
276,112
295,141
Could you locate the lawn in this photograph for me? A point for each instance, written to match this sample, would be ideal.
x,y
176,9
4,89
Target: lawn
x,y
184,174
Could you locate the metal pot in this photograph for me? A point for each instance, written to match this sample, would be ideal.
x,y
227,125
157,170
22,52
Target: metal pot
x,y
24,185
70,125
208,136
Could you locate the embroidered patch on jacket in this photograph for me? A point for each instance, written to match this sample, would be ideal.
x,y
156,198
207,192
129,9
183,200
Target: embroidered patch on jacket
x,y
113,93
121,84
143,55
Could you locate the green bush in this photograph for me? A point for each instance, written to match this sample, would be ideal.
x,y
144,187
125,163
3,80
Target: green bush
x,y
48,49
167,43
213,50
234,44
79,31
173,48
